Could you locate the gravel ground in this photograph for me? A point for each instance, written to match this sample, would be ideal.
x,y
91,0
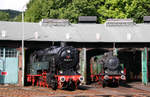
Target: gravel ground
x,y
131,90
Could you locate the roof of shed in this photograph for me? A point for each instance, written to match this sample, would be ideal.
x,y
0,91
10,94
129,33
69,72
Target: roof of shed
x,y
76,32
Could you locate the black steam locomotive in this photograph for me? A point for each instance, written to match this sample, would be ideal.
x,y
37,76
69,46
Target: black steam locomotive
x,y
55,67
111,70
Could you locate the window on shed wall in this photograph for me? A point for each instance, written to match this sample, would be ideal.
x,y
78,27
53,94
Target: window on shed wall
x,y
11,53
1,52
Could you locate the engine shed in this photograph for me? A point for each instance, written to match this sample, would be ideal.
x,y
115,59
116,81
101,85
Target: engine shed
x,y
129,41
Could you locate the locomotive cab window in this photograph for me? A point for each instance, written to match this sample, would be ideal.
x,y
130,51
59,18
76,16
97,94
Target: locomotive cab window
x,y
11,53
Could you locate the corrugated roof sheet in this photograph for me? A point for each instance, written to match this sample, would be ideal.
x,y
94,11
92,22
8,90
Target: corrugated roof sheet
x,y
76,32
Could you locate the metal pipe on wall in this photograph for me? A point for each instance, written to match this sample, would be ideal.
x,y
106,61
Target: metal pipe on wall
x,y
23,48
145,66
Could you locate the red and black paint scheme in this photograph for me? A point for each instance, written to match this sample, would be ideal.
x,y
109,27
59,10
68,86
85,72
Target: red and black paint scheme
x,y
112,72
55,67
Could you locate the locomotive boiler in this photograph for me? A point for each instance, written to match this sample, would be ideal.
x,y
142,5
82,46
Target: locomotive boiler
x,y
55,67
108,69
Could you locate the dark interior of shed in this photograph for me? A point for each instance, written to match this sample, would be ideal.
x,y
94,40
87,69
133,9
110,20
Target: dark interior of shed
x,y
149,66
132,63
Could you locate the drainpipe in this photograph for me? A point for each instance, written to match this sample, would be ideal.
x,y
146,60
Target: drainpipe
x,y
23,48
145,66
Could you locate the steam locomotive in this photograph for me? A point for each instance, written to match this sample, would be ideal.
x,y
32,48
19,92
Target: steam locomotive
x,y
55,67
108,69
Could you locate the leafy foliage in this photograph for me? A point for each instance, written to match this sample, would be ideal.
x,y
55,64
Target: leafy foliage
x,y
4,16
8,15
18,18
72,9
66,9
134,9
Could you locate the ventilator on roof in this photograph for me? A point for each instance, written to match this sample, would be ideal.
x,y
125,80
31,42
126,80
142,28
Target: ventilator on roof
x,y
146,19
119,22
87,19
3,33
54,22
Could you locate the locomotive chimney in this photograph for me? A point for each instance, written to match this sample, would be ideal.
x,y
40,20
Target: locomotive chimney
x,y
63,44
87,19
146,19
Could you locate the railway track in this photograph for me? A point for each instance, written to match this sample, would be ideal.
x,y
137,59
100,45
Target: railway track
x,y
85,91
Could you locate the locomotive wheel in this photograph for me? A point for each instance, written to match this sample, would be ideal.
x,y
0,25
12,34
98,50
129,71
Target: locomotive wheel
x,y
116,84
103,84
51,81
71,85
54,84
48,79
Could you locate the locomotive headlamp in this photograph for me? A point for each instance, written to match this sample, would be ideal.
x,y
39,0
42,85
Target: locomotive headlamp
x,y
81,78
68,51
122,71
60,72
106,71
106,77
123,77
62,79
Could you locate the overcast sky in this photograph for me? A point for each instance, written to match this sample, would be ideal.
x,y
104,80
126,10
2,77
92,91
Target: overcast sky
x,y
13,4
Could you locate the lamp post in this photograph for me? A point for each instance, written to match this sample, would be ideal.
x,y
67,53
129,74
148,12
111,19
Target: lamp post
x,y
23,62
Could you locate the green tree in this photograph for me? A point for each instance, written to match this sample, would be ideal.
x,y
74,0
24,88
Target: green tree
x,y
77,8
4,16
66,9
134,9
9,15
18,18
34,12
72,9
